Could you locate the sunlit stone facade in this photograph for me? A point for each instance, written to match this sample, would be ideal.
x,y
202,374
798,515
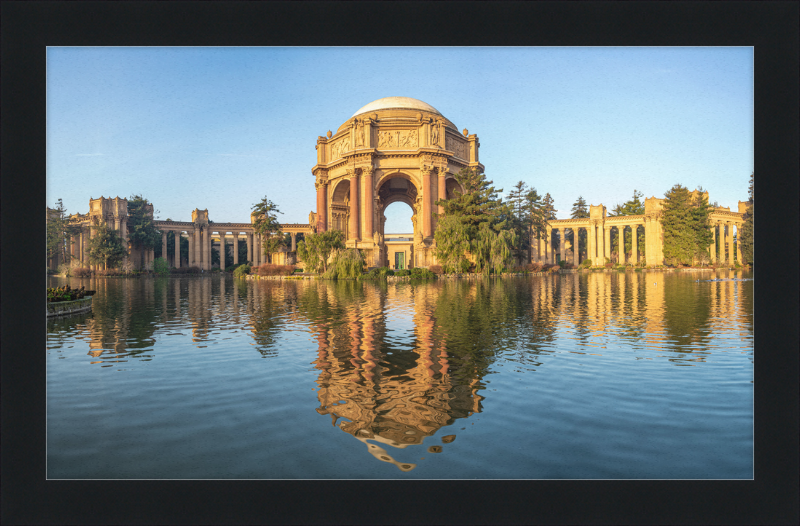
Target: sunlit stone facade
x,y
393,149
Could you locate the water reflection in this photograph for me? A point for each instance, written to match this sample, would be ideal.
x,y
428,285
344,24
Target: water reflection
x,y
396,363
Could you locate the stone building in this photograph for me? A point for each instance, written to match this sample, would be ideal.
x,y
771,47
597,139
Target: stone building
x,y
393,149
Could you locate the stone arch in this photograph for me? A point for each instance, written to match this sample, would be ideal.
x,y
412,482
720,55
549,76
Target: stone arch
x,y
452,185
393,187
340,211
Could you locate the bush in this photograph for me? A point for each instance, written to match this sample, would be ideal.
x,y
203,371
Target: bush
x,y
562,263
186,270
402,272
346,265
536,266
587,263
81,272
161,266
105,272
436,269
378,273
270,269
421,273
241,270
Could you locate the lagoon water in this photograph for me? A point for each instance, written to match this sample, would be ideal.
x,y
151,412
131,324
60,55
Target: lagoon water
x,y
637,375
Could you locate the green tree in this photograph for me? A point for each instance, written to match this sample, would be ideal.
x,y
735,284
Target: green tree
x,y
106,246
452,244
580,210
266,224
316,249
685,225
58,232
142,233
745,236
483,216
527,215
632,207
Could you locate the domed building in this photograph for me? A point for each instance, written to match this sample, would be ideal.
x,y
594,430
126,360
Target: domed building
x,y
393,149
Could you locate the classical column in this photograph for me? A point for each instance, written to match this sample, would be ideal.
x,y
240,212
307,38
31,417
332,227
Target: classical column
x,y
607,242
576,240
294,241
207,245
353,205
426,203
190,256
369,202
177,240
196,255
223,248
591,242
712,249
634,244
738,243
600,258
442,194
236,248
729,238
548,244
562,242
257,249
123,233
164,245
621,244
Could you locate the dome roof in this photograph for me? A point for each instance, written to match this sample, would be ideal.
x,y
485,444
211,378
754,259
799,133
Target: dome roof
x,y
397,103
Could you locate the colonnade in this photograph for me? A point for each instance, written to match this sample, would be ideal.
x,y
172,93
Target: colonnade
x,y
598,245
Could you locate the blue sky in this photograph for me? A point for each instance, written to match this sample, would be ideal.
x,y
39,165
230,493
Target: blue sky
x,y
219,128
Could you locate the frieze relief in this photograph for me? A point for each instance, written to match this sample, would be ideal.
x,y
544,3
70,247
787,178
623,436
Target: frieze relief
x,y
459,148
398,139
339,148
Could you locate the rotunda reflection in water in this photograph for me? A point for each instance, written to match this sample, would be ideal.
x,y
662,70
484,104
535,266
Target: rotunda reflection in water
x,y
380,391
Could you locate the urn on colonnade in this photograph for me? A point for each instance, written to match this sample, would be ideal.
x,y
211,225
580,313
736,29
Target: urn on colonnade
x,y
395,149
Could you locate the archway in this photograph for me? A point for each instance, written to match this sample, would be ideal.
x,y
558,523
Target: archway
x,y
398,247
340,207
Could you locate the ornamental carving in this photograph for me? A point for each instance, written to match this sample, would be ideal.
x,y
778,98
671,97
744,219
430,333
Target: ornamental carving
x,y
398,139
459,148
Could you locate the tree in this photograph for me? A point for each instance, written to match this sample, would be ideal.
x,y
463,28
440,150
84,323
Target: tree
x,y
106,246
266,224
316,249
580,210
685,224
527,214
632,207
745,237
58,232
142,233
452,244
483,216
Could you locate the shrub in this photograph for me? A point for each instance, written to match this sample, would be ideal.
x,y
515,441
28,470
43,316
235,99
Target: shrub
x,y
562,263
241,270
536,266
105,272
587,263
421,273
348,264
161,266
81,272
270,269
436,269
402,272
186,270
378,273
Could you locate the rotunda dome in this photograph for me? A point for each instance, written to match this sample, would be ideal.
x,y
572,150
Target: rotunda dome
x,y
388,103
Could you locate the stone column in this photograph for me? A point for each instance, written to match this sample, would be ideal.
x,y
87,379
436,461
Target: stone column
x,y
322,214
248,239
207,245
738,243
123,233
729,238
236,248
591,242
294,241
576,240
177,240
548,245
442,193
562,242
223,248
634,244
712,249
257,249
190,256
164,245
369,202
621,244
196,254
606,243
354,226
600,258
426,203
